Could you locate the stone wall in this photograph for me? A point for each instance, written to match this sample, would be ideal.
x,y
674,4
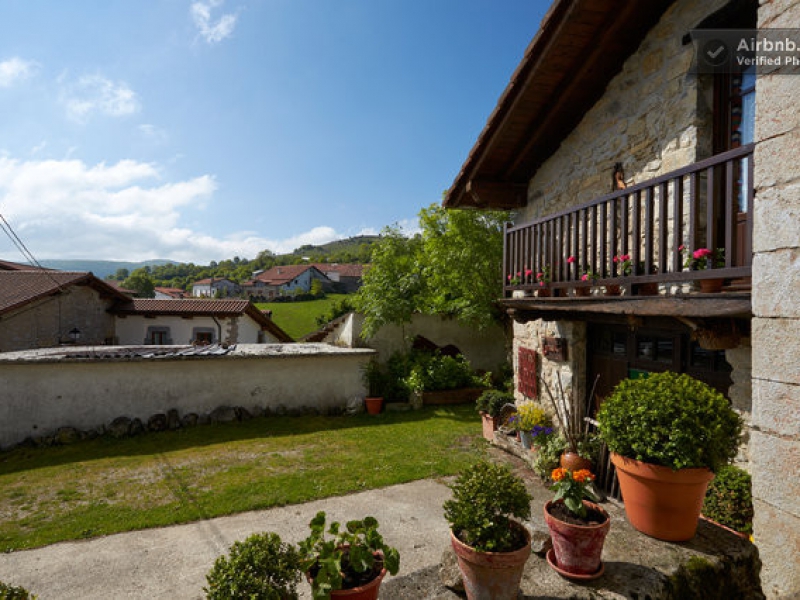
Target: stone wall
x,y
775,439
572,371
47,323
653,118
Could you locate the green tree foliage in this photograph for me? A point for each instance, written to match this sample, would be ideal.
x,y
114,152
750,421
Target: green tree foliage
x,y
141,282
392,286
452,268
462,262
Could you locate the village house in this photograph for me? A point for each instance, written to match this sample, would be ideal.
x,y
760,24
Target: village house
x,y
284,281
622,152
346,277
213,287
194,321
168,293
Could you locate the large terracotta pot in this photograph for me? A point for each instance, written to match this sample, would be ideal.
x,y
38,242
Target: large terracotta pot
x,y
660,502
577,548
491,575
613,290
711,286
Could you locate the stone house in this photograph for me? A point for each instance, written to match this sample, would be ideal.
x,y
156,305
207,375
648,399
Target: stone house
x,y
194,321
42,308
212,287
620,148
283,281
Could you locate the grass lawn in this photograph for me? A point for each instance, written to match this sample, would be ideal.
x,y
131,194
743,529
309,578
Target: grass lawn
x,y
107,485
299,318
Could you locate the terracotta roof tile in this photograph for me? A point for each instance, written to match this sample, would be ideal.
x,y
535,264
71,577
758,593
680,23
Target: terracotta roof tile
x,y
18,288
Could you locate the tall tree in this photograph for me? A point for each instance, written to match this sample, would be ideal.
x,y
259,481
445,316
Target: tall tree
x,y
141,282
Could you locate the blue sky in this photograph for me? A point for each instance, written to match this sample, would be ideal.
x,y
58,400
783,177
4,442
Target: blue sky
x,y
203,130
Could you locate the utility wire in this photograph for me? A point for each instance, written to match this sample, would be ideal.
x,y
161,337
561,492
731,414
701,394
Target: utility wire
x,y
27,254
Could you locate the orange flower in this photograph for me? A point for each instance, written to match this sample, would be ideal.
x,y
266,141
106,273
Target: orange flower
x,y
583,476
558,474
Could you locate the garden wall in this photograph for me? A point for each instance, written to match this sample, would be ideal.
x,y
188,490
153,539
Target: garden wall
x,y
45,390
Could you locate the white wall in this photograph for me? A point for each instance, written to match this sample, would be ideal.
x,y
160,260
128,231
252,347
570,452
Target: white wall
x,y
485,349
131,329
41,391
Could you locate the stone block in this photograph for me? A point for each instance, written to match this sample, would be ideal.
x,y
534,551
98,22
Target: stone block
x,y
777,106
775,408
776,284
777,535
774,463
776,220
776,162
780,341
778,13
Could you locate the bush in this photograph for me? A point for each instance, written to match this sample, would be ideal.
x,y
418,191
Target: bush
x,y
260,568
670,420
485,496
530,415
492,402
433,372
11,592
729,499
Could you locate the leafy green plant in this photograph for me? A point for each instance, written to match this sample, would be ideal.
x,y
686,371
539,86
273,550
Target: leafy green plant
x,y
572,488
485,497
348,558
548,452
671,420
434,371
12,592
492,402
729,499
262,567
375,378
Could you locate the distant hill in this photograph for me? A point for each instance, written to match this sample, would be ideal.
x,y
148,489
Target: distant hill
x,y
351,244
100,268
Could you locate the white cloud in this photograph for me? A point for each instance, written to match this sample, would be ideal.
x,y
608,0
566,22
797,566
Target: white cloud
x,y
122,211
96,94
153,133
16,69
212,31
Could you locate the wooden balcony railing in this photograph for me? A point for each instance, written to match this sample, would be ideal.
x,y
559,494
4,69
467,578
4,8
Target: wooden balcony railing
x,y
656,223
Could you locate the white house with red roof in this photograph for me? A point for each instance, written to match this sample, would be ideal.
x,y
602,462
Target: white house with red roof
x,y
213,287
284,280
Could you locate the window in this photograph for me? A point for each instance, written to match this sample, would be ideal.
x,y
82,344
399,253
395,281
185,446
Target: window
x,y
202,335
158,336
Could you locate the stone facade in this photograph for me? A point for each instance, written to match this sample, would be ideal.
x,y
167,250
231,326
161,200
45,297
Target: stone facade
x,y
653,118
47,322
775,439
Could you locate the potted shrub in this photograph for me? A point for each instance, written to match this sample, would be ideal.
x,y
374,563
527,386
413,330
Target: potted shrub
x,y
667,434
262,566
491,548
489,404
375,377
444,379
14,592
729,500
350,563
578,527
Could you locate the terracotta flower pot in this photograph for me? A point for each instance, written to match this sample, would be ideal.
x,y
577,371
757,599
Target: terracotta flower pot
x,y
583,290
710,286
574,461
543,292
374,405
645,289
577,548
660,502
489,425
613,290
367,591
491,575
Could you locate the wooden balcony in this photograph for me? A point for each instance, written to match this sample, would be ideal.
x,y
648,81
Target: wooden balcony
x,y
656,223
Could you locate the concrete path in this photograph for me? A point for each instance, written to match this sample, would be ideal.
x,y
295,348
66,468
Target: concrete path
x,y
172,562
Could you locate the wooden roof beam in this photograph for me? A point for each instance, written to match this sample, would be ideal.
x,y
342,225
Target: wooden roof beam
x,y
497,194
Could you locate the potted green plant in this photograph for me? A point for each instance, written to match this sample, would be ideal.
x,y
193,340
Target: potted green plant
x,y
490,546
262,566
350,563
729,500
375,377
667,434
578,527
14,592
489,404
705,258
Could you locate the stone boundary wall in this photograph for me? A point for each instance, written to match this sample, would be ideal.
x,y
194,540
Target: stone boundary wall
x,y
42,392
775,438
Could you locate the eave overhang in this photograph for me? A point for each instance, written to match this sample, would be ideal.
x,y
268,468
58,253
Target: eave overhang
x,y
580,46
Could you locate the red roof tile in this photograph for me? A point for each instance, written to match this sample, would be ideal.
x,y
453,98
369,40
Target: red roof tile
x,y
18,288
